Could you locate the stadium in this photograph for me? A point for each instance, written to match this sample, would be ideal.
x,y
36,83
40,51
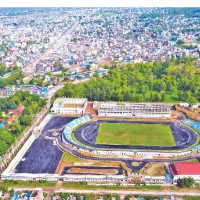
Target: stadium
x,y
155,139
93,137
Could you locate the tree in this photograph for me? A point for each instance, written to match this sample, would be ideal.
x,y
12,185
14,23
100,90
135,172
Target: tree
x,y
3,147
3,69
88,67
78,196
7,138
12,192
16,128
4,188
27,111
186,182
141,82
32,82
180,42
25,120
163,96
40,82
58,65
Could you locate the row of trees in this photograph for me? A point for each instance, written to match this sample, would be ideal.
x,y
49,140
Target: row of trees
x,y
4,69
141,82
33,104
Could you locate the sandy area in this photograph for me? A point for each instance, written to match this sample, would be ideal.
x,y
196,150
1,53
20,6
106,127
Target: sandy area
x,y
96,171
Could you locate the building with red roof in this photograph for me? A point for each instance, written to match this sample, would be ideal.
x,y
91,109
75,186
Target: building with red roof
x,y
78,68
185,170
13,111
14,117
20,109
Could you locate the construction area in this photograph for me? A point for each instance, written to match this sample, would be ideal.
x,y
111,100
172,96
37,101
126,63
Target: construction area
x,y
135,110
67,146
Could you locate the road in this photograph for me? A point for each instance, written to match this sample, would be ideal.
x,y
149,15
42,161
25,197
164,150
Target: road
x,y
130,192
52,91
127,161
120,192
29,70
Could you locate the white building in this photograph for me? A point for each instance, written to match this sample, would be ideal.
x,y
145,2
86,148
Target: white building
x,y
69,105
134,110
184,105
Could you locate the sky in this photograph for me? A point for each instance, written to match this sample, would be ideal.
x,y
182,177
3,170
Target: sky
x,y
99,3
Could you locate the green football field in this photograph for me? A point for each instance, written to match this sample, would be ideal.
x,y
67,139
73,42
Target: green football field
x,y
135,134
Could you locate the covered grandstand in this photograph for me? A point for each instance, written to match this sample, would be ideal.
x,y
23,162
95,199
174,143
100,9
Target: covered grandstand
x,y
193,124
70,126
135,110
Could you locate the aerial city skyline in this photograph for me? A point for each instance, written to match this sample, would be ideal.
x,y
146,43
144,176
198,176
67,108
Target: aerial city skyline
x,y
99,100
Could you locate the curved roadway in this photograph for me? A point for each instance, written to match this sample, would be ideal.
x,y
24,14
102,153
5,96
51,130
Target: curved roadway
x,y
127,161
183,136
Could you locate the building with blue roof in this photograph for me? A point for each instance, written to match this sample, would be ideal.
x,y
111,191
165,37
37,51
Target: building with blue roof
x,y
10,90
2,124
69,71
193,124
57,71
102,71
35,89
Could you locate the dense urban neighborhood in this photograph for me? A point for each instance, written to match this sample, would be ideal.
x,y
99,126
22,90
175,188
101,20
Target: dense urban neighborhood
x,y
100,103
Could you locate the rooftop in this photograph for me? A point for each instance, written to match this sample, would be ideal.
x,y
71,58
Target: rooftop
x,y
186,168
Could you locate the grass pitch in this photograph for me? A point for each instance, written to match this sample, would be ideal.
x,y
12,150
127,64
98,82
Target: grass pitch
x,y
135,134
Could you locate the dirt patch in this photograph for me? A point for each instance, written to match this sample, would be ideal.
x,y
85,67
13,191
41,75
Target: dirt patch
x,y
105,133
63,164
135,164
92,171
190,113
60,129
155,169
124,135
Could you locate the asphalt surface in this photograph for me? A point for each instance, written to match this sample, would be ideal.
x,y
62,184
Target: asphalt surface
x,y
127,161
66,169
183,136
122,192
43,156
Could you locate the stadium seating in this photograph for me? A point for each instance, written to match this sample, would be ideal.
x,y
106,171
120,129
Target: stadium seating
x,y
193,124
70,126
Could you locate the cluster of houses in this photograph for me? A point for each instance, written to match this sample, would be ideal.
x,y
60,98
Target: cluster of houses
x,y
36,194
12,115
123,35
25,38
33,89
